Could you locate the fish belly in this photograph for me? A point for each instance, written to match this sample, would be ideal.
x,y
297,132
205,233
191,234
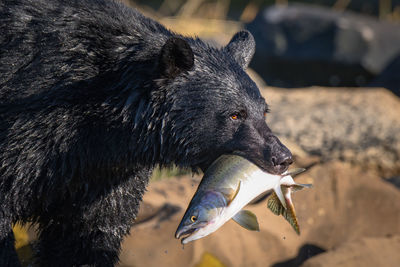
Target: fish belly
x,y
251,187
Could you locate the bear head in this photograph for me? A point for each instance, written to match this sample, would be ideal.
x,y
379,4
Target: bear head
x,y
209,106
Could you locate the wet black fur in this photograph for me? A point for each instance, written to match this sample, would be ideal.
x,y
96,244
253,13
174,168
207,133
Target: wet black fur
x,y
92,96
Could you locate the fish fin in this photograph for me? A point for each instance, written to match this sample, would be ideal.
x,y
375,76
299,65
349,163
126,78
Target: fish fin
x,y
247,219
230,194
279,194
237,191
290,215
294,172
298,187
275,205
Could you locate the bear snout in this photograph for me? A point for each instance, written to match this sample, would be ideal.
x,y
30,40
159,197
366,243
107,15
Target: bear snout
x,y
282,162
277,155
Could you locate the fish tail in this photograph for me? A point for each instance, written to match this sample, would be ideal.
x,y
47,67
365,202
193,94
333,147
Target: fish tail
x,y
275,205
298,187
295,171
279,194
290,215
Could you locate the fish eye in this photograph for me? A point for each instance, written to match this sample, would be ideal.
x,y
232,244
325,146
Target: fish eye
x,y
193,218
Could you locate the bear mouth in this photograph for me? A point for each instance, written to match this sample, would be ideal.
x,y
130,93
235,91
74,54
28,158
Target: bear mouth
x,y
260,162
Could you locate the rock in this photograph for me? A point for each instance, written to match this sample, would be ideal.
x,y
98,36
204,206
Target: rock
x,y
366,252
346,203
305,252
360,126
304,45
395,180
390,77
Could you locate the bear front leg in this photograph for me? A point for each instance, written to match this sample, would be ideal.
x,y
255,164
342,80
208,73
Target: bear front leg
x,y
8,255
91,229
66,244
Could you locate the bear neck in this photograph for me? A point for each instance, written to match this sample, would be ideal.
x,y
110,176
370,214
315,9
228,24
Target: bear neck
x,y
153,135
156,134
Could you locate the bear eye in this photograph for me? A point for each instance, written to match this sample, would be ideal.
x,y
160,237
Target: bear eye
x,y
235,116
193,218
266,111
238,115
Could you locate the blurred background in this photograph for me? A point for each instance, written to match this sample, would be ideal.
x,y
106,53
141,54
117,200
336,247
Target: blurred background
x,y
330,71
299,43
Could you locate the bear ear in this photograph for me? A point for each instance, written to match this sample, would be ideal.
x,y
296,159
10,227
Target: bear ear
x,y
242,47
176,56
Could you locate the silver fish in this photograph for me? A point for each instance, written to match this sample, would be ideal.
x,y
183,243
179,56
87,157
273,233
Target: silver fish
x,y
228,185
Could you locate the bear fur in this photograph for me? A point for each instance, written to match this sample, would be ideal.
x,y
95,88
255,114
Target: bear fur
x,y
93,95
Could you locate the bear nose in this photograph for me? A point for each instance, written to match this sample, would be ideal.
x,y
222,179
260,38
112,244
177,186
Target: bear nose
x,y
283,161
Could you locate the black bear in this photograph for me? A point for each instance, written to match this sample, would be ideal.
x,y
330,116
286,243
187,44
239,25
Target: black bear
x,y
92,96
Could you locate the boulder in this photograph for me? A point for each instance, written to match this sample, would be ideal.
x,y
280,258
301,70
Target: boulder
x,y
303,45
390,77
366,252
360,126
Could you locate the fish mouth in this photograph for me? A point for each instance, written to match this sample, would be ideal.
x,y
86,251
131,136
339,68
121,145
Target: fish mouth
x,y
184,233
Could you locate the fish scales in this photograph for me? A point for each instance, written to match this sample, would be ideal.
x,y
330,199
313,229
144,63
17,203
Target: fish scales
x,y
228,185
